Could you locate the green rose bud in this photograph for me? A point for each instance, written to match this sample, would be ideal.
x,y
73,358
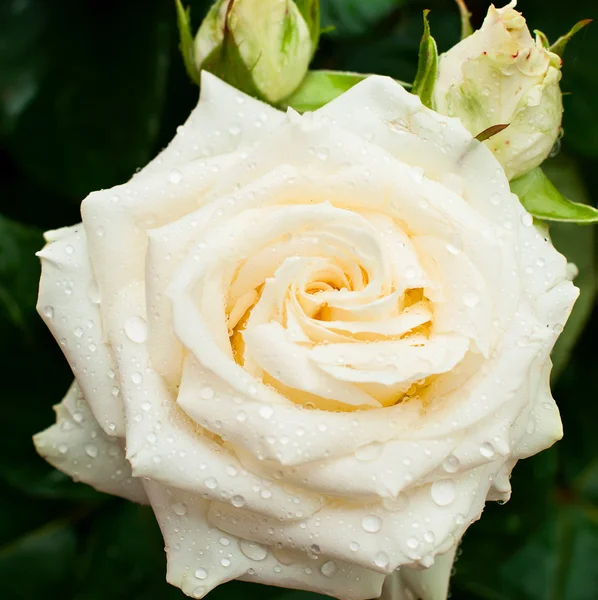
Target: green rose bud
x,y
262,47
501,75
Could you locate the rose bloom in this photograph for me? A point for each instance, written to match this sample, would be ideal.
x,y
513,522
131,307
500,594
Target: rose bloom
x,y
501,75
315,345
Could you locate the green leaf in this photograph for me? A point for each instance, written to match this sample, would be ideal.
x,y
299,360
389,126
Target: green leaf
x,y
19,271
559,561
578,245
186,41
320,87
466,28
39,564
559,46
95,115
541,198
352,18
427,66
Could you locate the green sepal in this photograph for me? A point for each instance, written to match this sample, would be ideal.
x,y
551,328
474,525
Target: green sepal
x,y
559,46
466,28
310,11
543,38
320,87
542,199
225,62
186,41
427,66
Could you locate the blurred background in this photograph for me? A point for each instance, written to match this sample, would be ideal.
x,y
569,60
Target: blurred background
x,y
90,90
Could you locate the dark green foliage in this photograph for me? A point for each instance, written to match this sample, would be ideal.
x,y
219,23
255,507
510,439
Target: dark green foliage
x,y
92,89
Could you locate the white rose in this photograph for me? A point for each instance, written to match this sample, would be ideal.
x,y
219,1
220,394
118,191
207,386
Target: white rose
x,y
500,75
323,341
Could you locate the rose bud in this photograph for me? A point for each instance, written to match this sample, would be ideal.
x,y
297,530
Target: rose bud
x,y
500,75
263,47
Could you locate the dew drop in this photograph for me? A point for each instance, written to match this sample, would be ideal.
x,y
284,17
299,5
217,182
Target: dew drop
x,y
241,416
412,543
487,450
225,562
381,560
180,509
329,568
78,332
211,483
252,550
49,311
396,504
201,573
443,492
175,176
91,450
136,329
429,537
527,220
238,501
63,448
470,299
266,411
137,377
354,546
451,464
206,393
115,390
371,523
199,592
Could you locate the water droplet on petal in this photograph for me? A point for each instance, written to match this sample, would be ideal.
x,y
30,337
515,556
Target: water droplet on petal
x,y
201,573
49,312
381,560
266,411
238,501
354,546
329,568
136,329
211,483
175,176
471,299
451,464
137,377
91,450
443,492
412,543
487,450
206,393
527,220
180,509
371,523
252,550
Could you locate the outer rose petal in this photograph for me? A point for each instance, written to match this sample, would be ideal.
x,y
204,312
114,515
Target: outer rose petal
x,y
79,447
201,556
69,304
429,584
